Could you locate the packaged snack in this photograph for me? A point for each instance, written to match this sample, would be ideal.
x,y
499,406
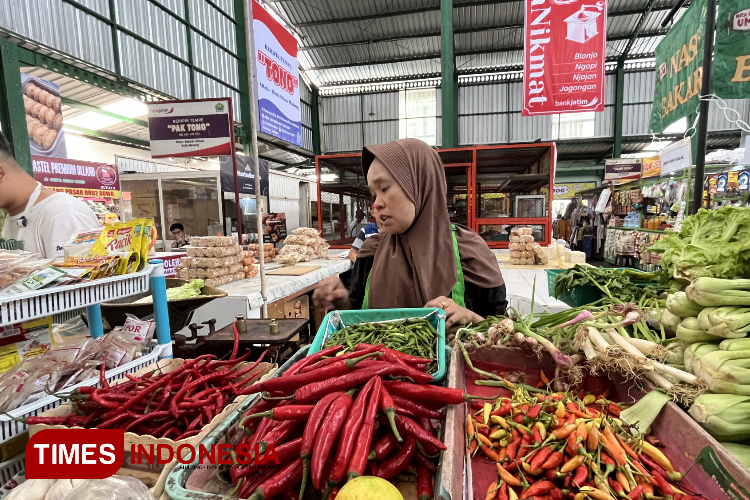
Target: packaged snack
x,y
101,266
516,254
196,251
146,239
526,231
123,239
80,244
306,231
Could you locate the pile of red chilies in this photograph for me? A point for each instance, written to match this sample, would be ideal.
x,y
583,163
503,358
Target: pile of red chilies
x,y
333,418
174,405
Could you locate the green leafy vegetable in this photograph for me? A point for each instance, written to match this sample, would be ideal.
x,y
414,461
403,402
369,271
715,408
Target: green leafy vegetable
x,y
711,243
186,291
615,284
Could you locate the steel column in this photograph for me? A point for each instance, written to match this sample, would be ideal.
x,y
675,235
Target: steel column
x,y
12,113
705,104
315,118
619,106
449,79
189,32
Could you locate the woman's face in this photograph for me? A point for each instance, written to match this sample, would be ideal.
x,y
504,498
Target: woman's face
x,y
395,211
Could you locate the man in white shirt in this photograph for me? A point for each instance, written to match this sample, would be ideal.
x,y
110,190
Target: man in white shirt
x,y
43,219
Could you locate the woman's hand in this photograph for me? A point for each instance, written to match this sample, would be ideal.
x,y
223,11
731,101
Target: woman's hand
x,y
329,291
456,316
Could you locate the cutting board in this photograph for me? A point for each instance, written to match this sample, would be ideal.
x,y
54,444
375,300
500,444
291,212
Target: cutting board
x,y
293,270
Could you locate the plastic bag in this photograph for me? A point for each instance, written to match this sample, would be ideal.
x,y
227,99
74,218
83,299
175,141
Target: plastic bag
x,y
33,489
126,343
112,488
80,244
19,271
306,231
124,239
299,239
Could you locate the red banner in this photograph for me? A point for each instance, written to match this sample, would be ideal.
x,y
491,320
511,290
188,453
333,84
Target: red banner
x,y
75,177
564,50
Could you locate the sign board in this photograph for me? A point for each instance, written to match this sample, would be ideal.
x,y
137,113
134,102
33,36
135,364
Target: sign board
x,y
622,168
744,180
651,166
197,127
245,175
278,83
730,71
564,51
77,178
170,263
675,157
44,118
679,66
571,189
274,228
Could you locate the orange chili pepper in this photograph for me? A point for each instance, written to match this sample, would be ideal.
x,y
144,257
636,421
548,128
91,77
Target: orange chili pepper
x,y
623,481
573,408
627,448
507,476
473,446
564,431
491,491
543,377
469,426
490,454
484,440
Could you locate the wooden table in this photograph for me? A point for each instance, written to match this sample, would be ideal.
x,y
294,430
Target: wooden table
x,y
257,338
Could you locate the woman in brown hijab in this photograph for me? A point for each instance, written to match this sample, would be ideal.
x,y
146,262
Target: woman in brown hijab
x,y
420,259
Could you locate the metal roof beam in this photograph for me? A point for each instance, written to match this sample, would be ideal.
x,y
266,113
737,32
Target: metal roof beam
x,y
94,109
458,53
384,15
455,32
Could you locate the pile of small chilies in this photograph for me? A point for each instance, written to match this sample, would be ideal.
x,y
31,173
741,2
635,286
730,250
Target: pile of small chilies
x,y
323,434
558,446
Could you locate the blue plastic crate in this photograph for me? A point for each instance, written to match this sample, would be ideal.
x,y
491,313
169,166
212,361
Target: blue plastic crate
x,y
337,320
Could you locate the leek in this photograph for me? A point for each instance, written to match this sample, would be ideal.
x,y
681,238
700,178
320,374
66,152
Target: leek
x,y
739,451
645,411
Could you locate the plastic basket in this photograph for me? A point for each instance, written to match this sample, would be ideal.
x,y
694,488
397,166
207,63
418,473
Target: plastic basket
x,y
30,305
581,295
336,320
10,468
178,478
10,428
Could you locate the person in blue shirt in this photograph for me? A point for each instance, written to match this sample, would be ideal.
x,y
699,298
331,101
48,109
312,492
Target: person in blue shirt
x,y
364,233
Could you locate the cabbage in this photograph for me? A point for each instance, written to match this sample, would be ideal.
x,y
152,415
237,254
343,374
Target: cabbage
x,y
711,243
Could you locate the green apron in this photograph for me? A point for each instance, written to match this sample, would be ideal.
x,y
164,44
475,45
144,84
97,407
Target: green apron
x,y
457,294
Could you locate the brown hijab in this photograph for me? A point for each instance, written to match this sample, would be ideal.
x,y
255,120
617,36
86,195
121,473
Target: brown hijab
x,y
412,268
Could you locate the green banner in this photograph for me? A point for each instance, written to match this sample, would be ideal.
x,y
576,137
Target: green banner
x,y
730,74
716,471
679,68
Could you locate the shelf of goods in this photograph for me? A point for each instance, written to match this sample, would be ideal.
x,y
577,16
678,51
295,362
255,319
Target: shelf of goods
x,y
46,302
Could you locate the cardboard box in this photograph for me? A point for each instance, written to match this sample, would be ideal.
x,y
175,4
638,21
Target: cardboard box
x,y
155,475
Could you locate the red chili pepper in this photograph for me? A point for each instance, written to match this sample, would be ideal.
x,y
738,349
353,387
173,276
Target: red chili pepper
x,y
617,487
397,463
635,493
279,433
663,485
289,494
236,342
503,410
412,428
421,392
424,482
311,430
423,461
309,360
402,370
534,411
285,478
356,378
556,494
289,412
385,404
580,475
358,461
653,465
502,494
416,409
334,359
555,459
540,458
294,382
536,437
538,489
383,447
102,377
349,433
513,446
215,364
254,481
614,409
328,432
550,474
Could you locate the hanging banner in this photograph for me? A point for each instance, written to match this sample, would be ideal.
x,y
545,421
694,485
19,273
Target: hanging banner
x,y
194,127
622,169
679,68
651,166
77,178
571,189
245,175
564,50
277,72
44,119
730,73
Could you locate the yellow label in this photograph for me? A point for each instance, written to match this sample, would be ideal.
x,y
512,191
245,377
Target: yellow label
x,y
8,357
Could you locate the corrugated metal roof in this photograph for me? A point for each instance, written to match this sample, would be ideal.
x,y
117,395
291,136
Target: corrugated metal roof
x,y
344,41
